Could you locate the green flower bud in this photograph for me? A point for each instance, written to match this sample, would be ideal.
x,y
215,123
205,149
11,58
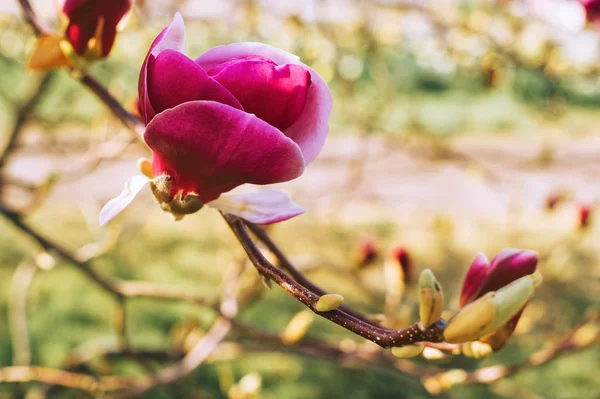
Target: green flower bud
x,y
407,351
297,327
431,298
472,321
329,302
492,311
511,298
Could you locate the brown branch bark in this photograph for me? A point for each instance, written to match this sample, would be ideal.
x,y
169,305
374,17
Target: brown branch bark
x,y
285,264
381,336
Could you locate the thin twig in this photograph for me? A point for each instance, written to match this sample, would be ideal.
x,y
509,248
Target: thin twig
x,y
82,265
62,378
203,348
287,265
23,116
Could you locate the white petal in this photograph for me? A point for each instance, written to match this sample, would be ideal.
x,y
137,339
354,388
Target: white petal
x,y
116,205
173,37
260,207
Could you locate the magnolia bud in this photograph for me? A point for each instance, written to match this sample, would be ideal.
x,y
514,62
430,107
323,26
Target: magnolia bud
x,y
367,252
431,300
297,327
471,321
584,213
407,351
476,349
329,302
492,311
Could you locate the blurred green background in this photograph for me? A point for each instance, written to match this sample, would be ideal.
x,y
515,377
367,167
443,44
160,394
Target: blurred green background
x,y
452,124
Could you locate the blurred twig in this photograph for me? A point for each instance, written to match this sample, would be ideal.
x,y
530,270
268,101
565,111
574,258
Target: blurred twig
x,y
23,116
203,348
48,245
62,378
17,312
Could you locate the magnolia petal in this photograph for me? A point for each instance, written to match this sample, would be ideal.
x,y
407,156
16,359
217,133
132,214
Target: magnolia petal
x,y
172,37
209,148
174,79
274,93
260,207
508,266
118,204
474,279
94,19
311,128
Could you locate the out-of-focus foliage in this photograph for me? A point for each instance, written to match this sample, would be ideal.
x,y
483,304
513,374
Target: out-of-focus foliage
x,y
440,68
396,71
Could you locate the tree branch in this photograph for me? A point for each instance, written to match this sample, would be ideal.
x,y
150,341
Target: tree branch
x,y
22,116
285,264
381,336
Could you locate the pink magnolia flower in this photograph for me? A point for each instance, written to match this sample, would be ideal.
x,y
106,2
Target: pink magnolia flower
x,y
483,277
242,113
90,19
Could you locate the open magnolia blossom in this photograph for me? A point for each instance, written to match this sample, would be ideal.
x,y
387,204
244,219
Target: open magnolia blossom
x,y
238,114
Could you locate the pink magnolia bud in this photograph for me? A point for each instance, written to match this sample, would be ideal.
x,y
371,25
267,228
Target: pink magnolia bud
x,y
367,252
94,19
592,9
242,113
484,276
401,256
553,200
584,214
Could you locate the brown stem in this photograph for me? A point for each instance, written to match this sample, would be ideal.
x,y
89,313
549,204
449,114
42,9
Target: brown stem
x,y
285,264
38,26
381,336
132,122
